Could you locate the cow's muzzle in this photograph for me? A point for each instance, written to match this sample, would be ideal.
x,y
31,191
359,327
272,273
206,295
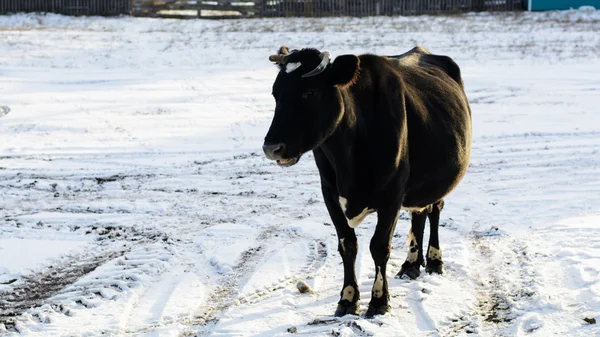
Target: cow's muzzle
x,y
274,151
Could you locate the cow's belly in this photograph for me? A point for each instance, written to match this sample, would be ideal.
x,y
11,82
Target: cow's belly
x,y
422,193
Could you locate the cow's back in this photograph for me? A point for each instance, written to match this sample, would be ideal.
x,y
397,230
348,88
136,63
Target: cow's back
x,y
439,124
421,57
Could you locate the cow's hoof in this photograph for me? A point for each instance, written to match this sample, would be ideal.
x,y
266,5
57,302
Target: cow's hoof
x,y
343,310
409,269
435,266
377,310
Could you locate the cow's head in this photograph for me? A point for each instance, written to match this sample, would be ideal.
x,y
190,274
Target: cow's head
x,y
308,101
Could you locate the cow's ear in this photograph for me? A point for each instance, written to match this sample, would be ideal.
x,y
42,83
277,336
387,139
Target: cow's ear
x,y
284,50
344,70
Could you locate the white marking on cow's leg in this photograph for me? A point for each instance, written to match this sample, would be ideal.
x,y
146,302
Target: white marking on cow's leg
x,y
348,294
413,248
354,222
378,284
292,66
342,245
434,253
343,204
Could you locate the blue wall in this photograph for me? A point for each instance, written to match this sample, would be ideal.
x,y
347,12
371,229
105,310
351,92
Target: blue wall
x,y
544,5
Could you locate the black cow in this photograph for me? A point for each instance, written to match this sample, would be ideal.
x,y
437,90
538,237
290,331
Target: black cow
x,y
387,133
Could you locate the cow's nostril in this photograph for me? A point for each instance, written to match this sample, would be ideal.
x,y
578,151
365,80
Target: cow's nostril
x,y
273,150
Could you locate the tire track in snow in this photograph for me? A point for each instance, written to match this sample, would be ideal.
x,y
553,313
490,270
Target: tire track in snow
x,y
226,295
503,280
510,281
314,262
85,281
152,309
222,297
35,290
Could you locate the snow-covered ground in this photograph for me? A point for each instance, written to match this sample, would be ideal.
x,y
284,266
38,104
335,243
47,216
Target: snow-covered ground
x,y
134,198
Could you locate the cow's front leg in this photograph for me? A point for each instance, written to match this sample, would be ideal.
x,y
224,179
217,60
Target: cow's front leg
x,y
414,259
381,247
348,247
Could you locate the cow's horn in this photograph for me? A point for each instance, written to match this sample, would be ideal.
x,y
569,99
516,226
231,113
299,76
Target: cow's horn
x,y
325,59
278,58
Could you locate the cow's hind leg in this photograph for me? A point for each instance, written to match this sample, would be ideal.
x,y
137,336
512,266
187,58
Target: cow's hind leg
x,y
434,252
414,260
381,247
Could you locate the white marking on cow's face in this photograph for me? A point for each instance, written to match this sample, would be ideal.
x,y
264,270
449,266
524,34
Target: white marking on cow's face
x,y
413,248
342,245
434,253
292,66
378,285
348,294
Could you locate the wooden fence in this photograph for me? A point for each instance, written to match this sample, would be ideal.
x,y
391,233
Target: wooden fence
x,y
194,8
257,8
68,7
319,8
315,8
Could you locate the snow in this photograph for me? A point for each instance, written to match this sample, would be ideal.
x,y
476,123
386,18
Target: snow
x,y
135,199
